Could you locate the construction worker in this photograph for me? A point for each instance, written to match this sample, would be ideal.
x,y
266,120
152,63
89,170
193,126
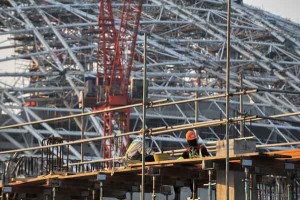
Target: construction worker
x,y
134,151
195,150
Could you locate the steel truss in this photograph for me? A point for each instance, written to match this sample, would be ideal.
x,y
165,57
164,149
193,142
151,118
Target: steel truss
x,y
56,43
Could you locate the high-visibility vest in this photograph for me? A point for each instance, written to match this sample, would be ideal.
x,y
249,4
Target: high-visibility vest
x,y
134,150
195,153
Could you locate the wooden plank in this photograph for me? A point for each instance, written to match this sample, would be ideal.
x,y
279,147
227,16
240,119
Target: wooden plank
x,y
173,169
194,160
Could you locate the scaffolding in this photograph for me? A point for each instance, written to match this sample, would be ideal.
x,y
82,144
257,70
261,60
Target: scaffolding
x,y
185,58
57,42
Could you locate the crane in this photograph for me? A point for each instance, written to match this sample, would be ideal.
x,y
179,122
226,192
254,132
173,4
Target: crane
x,y
115,58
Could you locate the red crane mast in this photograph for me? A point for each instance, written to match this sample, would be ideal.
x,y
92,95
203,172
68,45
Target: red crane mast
x,y
116,49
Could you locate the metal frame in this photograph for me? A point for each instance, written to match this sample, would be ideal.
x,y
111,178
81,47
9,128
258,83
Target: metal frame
x,y
57,46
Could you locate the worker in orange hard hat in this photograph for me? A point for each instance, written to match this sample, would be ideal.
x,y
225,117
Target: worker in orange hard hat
x,y
195,150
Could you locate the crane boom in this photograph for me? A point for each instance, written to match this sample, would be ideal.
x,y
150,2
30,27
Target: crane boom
x,y
127,35
116,49
107,40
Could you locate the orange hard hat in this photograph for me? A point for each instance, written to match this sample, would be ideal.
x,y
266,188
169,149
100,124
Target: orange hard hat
x,y
190,135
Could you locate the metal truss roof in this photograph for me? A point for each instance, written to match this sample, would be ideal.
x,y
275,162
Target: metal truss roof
x,y
56,45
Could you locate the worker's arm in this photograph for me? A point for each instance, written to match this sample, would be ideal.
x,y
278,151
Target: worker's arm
x,y
149,151
185,155
204,151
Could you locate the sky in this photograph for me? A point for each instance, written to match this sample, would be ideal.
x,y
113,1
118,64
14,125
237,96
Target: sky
x,y
289,9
